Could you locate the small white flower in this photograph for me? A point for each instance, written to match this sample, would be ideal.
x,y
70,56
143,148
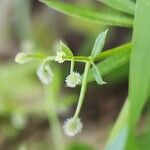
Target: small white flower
x,y
45,74
21,58
59,57
72,126
73,79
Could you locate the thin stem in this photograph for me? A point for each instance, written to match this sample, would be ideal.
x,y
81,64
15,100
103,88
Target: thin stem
x,y
72,66
78,59
83,89
107,53
84,59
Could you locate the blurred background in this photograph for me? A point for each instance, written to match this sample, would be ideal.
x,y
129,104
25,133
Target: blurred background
x,y
30,26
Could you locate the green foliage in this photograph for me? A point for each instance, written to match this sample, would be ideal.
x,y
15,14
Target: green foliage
x,y
126,6
97,48
97,75
139,79
66,49
99,43
136,54
98,17
119,134
139,64
117,57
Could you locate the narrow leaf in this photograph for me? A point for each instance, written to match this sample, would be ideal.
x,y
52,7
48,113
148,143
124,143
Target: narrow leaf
x,y
139,79
139,82
118,57
97,75
126,6
118,137
98,17
99,43
66,49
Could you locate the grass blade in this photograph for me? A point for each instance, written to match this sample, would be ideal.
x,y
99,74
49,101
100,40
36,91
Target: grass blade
x,y
118,137
98,17
126,6
139,76
140,61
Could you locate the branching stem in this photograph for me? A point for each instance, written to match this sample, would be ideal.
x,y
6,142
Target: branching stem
x,y
85,59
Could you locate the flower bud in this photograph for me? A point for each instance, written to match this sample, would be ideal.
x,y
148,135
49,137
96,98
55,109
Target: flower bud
x,y
59,57
73,79
21,58
72,126
45,74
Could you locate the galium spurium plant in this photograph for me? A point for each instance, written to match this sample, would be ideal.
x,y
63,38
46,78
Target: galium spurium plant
x,y
132,14
73,125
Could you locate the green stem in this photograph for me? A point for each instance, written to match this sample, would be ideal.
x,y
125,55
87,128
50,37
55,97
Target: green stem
x,y
84,59
83,89
107,53
72,66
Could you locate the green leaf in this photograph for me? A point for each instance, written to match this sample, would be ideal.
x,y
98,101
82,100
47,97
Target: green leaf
x,y
98,17
126,6
66,49
118,136
97,75
99,43
139,80
118,57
